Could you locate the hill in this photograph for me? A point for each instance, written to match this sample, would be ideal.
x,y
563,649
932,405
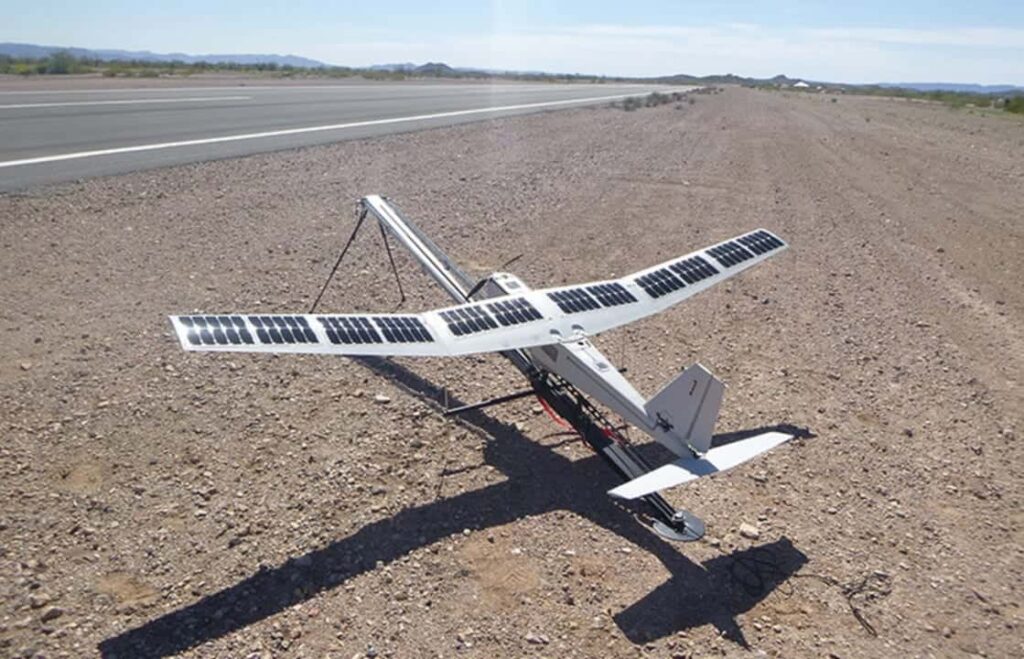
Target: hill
x,y
33,51
953,87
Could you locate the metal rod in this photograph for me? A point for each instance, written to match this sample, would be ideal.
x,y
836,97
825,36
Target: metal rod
x,y
487,403
391,259
359,223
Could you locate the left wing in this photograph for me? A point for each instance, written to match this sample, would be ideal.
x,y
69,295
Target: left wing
x,y
505,323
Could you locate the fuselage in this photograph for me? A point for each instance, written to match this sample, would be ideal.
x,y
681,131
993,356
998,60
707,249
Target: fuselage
x,y
580,362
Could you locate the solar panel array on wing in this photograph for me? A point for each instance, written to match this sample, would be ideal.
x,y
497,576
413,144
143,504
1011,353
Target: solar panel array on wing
x,y
730,253
216,330
513,312
349,330
403,329
660,282
574,300
694,269
611,295
468,320
760,242
277,330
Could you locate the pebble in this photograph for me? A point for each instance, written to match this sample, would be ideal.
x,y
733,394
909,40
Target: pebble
x,y
537,639
381,399
52,613
750,531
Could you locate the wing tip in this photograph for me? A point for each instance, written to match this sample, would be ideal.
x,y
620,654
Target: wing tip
x,y
180,331
785,243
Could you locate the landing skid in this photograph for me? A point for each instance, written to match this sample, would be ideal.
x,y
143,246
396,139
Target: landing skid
x,y
685,527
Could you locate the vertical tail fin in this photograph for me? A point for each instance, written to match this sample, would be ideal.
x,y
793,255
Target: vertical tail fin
x,y
686,409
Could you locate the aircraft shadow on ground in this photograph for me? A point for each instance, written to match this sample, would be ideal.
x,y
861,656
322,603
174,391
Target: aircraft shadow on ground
x,y
539,481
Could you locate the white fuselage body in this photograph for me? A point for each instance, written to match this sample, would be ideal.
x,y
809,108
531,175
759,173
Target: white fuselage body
x,y
579,361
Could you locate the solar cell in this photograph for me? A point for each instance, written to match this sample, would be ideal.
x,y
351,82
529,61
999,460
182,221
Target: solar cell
x,y
216,330
660,282
468,320
730,254
693,269
574,300
760,242
513,312
403,329
611,295
349,329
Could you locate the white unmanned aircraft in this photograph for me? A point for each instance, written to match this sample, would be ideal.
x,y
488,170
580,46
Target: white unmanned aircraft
x,y
546,332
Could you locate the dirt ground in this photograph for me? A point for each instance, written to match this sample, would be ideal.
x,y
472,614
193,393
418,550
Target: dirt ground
x,y
157,502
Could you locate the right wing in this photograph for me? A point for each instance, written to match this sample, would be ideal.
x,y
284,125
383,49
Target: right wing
x,y
600,306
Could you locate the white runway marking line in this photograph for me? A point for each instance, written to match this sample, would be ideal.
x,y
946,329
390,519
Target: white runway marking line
x,y
127,101
308,129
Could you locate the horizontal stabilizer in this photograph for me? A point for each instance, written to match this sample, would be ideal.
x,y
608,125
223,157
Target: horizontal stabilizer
x,y
685,470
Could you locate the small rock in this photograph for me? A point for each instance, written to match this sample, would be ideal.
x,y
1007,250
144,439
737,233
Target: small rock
x,y
38,600
25,365
750,531
52,613
381,399
537,639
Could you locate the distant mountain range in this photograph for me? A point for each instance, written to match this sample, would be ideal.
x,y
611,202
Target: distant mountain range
x,y
953,87
38,52
726,79
441,70
782,80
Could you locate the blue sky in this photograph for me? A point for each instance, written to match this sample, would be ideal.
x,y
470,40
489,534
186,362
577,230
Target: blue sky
x,y
865,41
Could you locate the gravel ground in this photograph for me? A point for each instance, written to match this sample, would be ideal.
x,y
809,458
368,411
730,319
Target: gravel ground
x,y
158,502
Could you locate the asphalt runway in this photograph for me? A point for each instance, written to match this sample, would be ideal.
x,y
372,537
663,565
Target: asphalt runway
x,y
55,136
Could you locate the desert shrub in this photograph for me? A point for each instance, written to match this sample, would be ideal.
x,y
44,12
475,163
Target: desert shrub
x,y
1014,104
61,63
653,99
